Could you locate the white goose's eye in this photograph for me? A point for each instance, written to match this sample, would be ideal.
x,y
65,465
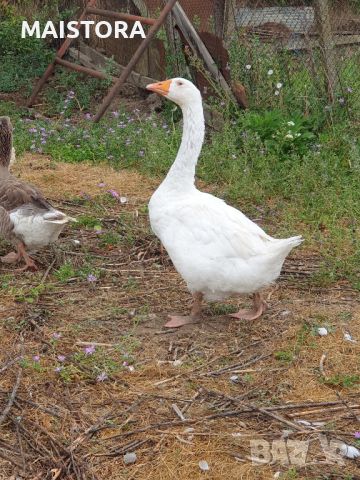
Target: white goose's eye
x,y
180,83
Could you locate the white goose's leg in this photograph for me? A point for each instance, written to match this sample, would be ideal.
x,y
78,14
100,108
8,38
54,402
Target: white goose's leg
x,y
259,307
177,321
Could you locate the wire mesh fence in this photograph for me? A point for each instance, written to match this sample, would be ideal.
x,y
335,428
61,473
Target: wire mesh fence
x,y
300,55
305,56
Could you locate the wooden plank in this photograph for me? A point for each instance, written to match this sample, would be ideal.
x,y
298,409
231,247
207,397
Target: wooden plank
x,y
91,58
322,10
198,47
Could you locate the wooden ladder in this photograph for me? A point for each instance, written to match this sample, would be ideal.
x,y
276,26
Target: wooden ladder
x,y
91,9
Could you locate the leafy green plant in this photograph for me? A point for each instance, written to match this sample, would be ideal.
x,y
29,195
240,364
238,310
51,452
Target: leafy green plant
x,y
65,272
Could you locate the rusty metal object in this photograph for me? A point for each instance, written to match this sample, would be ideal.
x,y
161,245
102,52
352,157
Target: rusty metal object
x,y
120,16
59,54
136,57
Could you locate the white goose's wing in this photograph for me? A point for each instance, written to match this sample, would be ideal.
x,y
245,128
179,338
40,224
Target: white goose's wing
x,y
205,223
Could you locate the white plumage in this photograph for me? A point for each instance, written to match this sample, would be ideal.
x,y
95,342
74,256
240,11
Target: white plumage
x,y
216,249
37,228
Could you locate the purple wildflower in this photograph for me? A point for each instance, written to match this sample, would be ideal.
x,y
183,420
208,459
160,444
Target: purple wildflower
x,y
58,369
357,435
101,184
88,116
33,130
56,335
115,114
113,193
111,130
36,358
102,377
91,278
89,350
43,141
61,358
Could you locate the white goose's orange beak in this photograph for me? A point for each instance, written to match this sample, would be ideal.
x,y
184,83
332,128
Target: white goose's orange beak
x,y
162,88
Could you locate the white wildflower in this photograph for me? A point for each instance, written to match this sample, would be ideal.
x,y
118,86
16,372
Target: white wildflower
x,y
270,72
248,67
322,331
289,136
123,200
277,92
297,135
291,123
279,85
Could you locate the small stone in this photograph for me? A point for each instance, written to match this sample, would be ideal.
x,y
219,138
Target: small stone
x,y
129,458
75,242
177,363
204,466
322,331
349,338
234,378
349,451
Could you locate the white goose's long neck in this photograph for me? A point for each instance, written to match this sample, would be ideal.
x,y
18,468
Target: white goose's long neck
x,y
182,172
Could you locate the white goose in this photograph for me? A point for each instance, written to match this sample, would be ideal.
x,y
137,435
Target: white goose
x,y
217,250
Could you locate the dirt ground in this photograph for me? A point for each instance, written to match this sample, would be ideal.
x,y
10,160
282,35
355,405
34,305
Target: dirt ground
x,y
88,373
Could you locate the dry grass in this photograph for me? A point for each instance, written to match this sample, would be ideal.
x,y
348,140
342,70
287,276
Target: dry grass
x,y
71,426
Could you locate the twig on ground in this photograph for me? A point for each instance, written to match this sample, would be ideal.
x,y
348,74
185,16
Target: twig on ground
x,y
321,364
178,412
11,400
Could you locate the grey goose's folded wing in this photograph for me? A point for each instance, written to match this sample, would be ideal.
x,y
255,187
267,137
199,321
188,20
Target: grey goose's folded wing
x,y
14,193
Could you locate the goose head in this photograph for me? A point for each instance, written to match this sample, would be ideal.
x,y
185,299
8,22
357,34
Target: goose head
x,y
5,141
179,90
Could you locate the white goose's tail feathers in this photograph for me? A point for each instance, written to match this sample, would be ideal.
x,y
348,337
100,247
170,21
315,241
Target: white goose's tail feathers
x,y
295,241
285,245
60,218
